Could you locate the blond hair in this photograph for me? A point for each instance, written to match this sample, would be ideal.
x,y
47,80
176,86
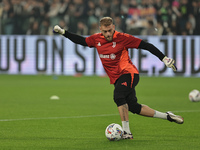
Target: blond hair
x,y
106,21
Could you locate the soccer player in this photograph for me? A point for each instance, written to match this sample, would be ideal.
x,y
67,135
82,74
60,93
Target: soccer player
x,y
112,47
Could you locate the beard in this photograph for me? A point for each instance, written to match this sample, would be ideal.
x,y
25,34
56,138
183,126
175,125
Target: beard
x,y
109,38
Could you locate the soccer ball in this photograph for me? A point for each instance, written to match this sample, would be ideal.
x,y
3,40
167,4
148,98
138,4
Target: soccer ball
x,y
194,96
114,132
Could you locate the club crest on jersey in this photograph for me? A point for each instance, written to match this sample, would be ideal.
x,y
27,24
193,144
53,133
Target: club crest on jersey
x,y
114,44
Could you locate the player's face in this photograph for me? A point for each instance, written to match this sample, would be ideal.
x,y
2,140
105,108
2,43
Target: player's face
x,y
108,32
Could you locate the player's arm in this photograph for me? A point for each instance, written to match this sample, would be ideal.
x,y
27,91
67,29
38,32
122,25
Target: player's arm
x,y
73,37
169,62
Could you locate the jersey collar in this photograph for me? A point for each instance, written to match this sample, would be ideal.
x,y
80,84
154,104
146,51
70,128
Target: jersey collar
x,y
115,34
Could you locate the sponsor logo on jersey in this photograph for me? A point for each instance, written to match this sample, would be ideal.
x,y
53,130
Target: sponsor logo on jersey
x,y
111,56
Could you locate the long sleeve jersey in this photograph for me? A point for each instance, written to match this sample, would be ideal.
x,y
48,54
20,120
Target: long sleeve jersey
x,y
114,55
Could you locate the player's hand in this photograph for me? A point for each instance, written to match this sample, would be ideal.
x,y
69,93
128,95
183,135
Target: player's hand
x,y
169,62
58,29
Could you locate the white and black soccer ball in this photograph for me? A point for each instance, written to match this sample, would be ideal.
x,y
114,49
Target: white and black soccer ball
x,y
114,132
194,95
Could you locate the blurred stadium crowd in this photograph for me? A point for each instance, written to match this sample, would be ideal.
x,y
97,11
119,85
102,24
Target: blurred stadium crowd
x,y
136,17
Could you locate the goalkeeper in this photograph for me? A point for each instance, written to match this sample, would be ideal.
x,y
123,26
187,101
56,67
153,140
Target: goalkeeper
x,y
112,47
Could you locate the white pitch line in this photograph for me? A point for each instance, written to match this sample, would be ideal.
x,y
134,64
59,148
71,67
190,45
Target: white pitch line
x,y
88,116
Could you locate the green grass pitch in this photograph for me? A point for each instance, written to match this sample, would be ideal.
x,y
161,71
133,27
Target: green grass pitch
x,y
29,120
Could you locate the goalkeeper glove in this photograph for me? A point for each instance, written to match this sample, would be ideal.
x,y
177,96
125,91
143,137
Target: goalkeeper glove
x,y
58,29
169,62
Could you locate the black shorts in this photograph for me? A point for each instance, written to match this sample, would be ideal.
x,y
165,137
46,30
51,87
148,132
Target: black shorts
x,y
124,92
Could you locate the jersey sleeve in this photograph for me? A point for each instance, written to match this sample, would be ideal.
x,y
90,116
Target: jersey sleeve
x,y
131,41
91,40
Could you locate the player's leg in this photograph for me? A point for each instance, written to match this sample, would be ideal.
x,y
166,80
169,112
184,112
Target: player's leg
x,y
145,110
131,98
121,87
149,112
123,111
